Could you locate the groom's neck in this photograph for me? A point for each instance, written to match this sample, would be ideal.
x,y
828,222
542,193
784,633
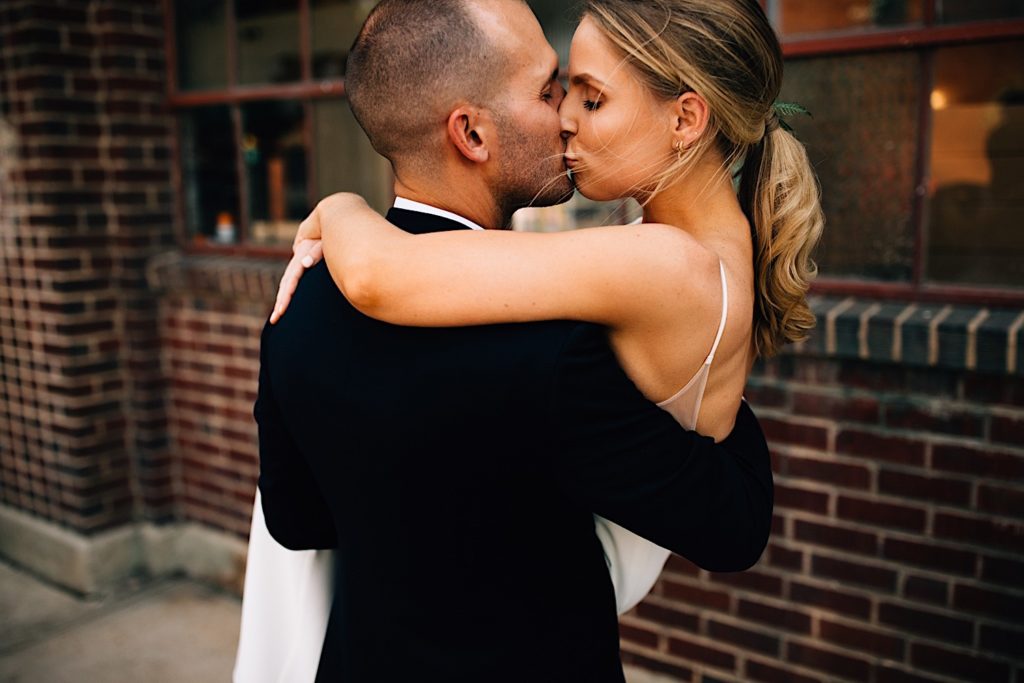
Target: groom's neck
x,y
469,198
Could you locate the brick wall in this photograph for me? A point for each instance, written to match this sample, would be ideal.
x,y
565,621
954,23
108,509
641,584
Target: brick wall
x,y
897,551
85,196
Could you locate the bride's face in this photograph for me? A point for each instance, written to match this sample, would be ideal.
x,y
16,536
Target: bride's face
x,y
620,136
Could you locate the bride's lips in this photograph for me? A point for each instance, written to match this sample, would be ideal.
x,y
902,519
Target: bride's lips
x,y
570,162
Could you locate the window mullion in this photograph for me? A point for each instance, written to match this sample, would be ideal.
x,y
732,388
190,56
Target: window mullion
x,y
922,172
241,173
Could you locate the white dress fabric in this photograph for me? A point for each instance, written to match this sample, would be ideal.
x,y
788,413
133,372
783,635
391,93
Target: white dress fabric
x,y
288,594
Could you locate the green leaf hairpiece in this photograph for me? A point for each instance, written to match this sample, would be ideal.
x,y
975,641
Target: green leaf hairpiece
x,y
785,110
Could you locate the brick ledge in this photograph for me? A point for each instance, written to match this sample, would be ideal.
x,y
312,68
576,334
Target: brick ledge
x,y
974,338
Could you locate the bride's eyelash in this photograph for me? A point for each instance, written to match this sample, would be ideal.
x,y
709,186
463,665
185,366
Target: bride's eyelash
x,y
591,105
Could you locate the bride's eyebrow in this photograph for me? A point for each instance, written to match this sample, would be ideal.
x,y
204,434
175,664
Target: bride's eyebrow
x,y
587,79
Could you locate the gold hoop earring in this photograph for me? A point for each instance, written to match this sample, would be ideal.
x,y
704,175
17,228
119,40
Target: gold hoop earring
x,y
679,148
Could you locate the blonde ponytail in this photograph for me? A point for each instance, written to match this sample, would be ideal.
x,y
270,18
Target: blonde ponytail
x,y
781,197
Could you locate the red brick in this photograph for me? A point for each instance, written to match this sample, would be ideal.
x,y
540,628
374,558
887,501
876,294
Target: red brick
x,y
918,418
681,565
864,640
677,671
999,604
743,637
879,578
1008,430
784,431
958,664
1000,500
924,589
977,462
888,674
930,555
750,580
833,663
897,449
640,636
830,472
674,617
881,514
801,499
778,617
1006,534
763,396
1004,641
759,671
693,651
839,408
778,556
994,390
937,489
1002,570
837,537
830,599
692,595
926,623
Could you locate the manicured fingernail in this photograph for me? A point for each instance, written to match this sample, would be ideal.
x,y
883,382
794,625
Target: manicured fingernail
x,y
307,261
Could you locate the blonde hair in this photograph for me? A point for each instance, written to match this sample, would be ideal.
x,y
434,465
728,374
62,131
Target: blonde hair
x,y
727,52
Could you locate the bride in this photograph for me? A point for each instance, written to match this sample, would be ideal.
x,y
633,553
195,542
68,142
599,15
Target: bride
x,y
669,102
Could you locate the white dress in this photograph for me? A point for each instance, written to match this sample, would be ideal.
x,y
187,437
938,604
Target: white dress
x,y
288,594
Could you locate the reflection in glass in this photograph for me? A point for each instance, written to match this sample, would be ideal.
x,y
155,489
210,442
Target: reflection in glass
x,y
209,173
579,212
812,16
275,163
201,44
345,161
268,41
952,11
862,142
976,188
335,24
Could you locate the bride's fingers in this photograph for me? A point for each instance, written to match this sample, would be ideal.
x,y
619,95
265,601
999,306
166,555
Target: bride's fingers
x,y
316,253
307,254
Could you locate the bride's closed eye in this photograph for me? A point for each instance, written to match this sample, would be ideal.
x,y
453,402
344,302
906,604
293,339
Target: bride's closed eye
x,y
591,105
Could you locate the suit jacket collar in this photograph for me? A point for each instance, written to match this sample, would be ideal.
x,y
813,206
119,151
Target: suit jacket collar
x,y
419,223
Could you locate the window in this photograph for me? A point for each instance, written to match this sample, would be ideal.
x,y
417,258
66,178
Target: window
x,y
263,127
918,140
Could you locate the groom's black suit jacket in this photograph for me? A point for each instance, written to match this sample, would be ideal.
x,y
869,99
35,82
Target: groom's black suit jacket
x,y
456,471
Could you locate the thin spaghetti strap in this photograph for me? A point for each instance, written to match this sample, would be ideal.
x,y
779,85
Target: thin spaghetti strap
x,y
725,314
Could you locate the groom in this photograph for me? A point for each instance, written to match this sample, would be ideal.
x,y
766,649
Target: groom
x,y
457,470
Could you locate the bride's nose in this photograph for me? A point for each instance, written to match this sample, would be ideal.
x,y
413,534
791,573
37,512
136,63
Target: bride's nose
x,y
568,127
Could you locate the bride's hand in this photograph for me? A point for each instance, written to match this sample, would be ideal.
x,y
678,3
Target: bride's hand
x,y
307,249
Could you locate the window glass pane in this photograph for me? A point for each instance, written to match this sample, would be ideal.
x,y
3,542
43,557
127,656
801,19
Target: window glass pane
x,y
559,19
976,188
951,11
580,212
275,167
345,161
862,142
268,41
813,16
210,174
201,44
335,24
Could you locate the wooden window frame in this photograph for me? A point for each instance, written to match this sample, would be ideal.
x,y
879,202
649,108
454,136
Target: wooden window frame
x,y
922,39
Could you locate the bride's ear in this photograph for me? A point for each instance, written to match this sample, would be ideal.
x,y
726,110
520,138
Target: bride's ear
x,y
691,115
471,132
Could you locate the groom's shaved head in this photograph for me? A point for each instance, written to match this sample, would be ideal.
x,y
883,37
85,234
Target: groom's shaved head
x,y
413,61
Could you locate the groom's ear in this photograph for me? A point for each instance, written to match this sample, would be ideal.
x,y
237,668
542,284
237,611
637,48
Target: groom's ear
x,y
471,131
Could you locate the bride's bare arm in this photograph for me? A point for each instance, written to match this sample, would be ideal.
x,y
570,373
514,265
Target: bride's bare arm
x,y
616,276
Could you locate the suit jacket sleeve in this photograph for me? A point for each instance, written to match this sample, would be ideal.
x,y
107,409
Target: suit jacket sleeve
x,y
630,461
294,508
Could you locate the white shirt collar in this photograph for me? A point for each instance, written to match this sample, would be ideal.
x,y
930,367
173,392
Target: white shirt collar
x,y
410,205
